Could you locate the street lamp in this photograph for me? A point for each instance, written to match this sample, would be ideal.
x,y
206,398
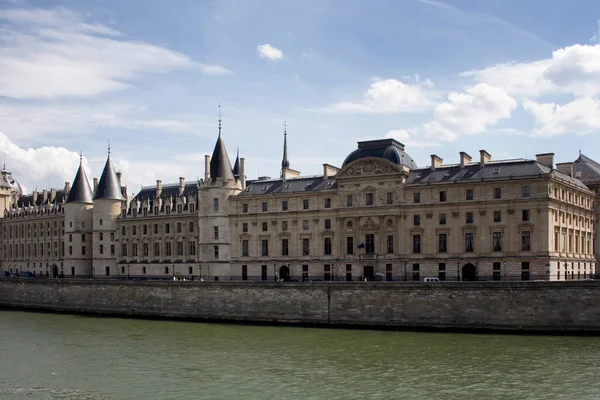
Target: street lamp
x,y
127,271
200,271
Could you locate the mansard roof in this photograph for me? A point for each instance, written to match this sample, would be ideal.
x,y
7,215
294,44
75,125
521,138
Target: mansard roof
x,y
388,149
168,190
586,169
109,187
81,192
290,185
220,166
28,200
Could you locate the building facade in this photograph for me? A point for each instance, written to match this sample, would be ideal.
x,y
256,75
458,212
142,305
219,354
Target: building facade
x,y
377,217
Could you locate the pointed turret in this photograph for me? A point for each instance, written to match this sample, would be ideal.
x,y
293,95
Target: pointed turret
x,y
80,192
236,165
220,166
109,187
285,163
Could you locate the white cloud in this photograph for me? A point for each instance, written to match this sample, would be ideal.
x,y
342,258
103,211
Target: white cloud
x,y
596,37
269,52
386,96
406,137
55,53
580,116
573,69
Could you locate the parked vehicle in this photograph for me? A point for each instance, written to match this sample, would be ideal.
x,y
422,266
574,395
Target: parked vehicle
x,y
431,279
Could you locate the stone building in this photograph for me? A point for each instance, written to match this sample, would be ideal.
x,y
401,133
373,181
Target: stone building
x,y
377,217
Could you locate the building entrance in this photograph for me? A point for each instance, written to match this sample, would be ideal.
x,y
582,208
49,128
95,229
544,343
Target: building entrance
x,y
54,271
469,272
368,273
284,273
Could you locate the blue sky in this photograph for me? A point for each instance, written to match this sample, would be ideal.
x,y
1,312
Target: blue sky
x,y
511,77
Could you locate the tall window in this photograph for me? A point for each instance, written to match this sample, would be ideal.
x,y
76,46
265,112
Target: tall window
x,y
265,226
525,271
327,246
216,204
496,271
469,194
442,219
370,244
497,216
327,224
443,195
284,225
263,272
134,249
305,225
525,215
156,249
416,197
216,252
265,206
284,205
305,246
327,202
327,272
497,193
388,272
244,207
525,191
390,244
390,198
442,271
124,250
245,248
526,241
469,218
369,199
349,200
264,248
180,248
416,244
245,227
497,241
469,245
284,247
216,232
244,272
416,220
168,250
192,248
443,243
350,245
416,272
305,204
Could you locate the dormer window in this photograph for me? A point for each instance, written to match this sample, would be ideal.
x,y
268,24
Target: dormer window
x,y
179,208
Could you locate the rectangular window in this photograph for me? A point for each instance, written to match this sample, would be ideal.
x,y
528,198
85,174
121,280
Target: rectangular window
x,y
525,271
305,272
145,249
101,236
216,252
326,272
244,272
469,245
245,227
416,220
244,248
442,219
192,248
496,241
497,193
349,200
416,244
390,198
265,206
369,199
526,241
416,197
327,246
442,195
284,225
388,272
284,247
305,225
179,227
469,194
166,270
107,271
525,215
264,248
327,202
416,272
497,216
305,247
82,250
70,250
244,207
112,249
525,192
327,224
305,204
390,244
370,244
145,229
349,245
469,218
349,272
496,271
284,205
263,272
216,232
265,226
191,227
216,204
180,248
168,250
144,270
167,228
443,243
134,249
124,250
122,231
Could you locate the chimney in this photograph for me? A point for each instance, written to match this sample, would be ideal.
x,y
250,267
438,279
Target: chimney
x,y
484,157
243,173
44,196
95,184
565,168
181,185
158,188
464,159
52,195
546,159
206,167
67,188
35,195
435,161
119,177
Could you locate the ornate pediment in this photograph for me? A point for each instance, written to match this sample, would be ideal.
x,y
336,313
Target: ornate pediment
x,y
371,166
370,224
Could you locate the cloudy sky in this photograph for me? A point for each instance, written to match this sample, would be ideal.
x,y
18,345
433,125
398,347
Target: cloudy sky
x,y
508,76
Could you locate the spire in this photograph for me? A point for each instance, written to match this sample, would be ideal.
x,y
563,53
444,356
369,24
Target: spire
x,y
108,186
236,165
285,163
81,192
220,166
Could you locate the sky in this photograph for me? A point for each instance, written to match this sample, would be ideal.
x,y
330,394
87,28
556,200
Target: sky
x,y
513,77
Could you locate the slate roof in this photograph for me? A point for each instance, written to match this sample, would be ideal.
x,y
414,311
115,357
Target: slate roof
x,y
503,169
26,201
8,181
220,166
291,185
108,186
236,165
586,169
388,149
81,192
168,190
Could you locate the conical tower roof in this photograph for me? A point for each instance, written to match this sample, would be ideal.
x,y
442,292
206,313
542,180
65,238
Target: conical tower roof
x,y
220,166
109,187
236,165
81,192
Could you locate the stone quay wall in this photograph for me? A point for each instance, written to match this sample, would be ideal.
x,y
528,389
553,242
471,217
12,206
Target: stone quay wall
x,y
512,306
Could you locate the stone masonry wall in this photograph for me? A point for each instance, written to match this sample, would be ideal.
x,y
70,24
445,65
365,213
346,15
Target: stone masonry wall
x,y
526,306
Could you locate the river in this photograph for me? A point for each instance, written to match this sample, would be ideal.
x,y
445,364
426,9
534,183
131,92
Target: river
x,y
47,356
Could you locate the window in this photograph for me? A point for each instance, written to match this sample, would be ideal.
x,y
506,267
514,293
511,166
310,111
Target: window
x,y
156,249
305,225
497,193
388,272
416,220
264,248
525,192
416,272
284,247
216,252
112,249
469,218
191,227
496,241
83,238
216,204
442,271
497,216
369,199
265,226
416,197
469,245
123,231
370,243
70,250
134,249
263,272
442,243
284,225
166,270
244,272
82,250
442,219
350,245
284,205
145,249
327,224
107,271
525,271
349,200
244,248
305,247
390,198
216,232
168,250
305,204
525,215
526,241
416,244
349,272
100,221
327,246
167,228
327,272
390,244
245,227
124,250
327,202
469,194
443,195
244,207
496,271
192,248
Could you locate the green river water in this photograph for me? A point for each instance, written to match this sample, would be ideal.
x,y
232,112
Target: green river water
x,y
46,356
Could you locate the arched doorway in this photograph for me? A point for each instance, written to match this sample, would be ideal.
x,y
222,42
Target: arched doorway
x,y
54,271
284,273
469,272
